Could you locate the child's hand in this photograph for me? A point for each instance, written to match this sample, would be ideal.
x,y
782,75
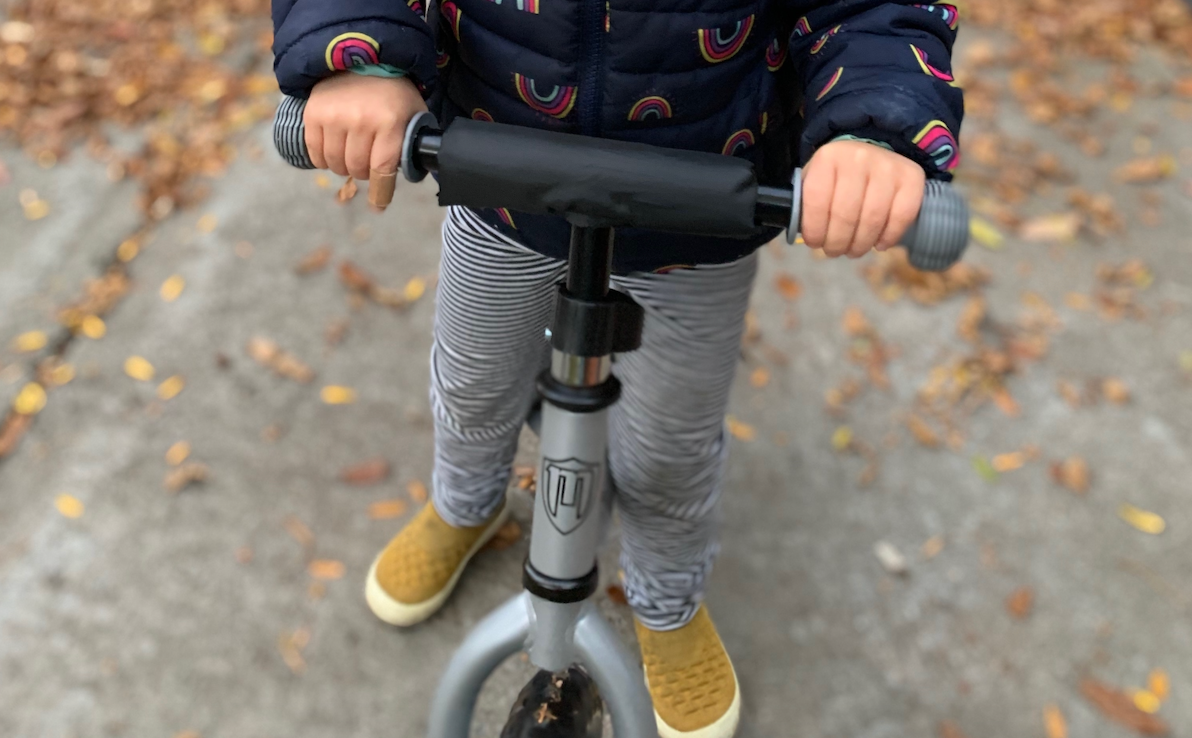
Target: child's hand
x,y
355,124
857,197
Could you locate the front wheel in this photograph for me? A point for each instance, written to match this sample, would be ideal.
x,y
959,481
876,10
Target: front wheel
x,y
563,704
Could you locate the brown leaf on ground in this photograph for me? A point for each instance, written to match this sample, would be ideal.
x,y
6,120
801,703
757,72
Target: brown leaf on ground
x,y
12,429
1120,708
268,354
355,278
971,319
525,476
506,536
1070,392
366,472
788,286
315,261
326,569
1020,602
616,593
855,323
1145,170
891,276
417,492
759,377
299,532
1054,723
386,509
1115,390
923,433
1057,227
949,729
1071,473
837,397
291,646
185,475
347,191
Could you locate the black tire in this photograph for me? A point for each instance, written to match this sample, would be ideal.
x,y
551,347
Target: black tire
x,y
557,705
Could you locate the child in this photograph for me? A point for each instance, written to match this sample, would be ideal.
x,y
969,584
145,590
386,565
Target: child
x,y
856,89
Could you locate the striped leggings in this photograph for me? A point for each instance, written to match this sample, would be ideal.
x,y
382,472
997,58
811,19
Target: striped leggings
x,y
667,444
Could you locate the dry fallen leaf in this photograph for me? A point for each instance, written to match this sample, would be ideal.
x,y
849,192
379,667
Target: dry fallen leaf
x,y
1119,707
1054,723
855,322
185,475
337,395
788,287
616,594
171,289
30,341
507,535
414,289
207,223
367,472
30,400
932,547
326,569
1115,390
69,506
1146,700
139,369
386,509
1072,473
11,430
1020,602
759,377
347,191
417,492
268,354
949,729
842,438
170,388
354,278
177,453
1008,462
1143,170
922,432
1158,682
315,261
291,645
1058,227
1143,520
986,234
298,531
740,430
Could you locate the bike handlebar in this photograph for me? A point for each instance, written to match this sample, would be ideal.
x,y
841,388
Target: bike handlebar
x,y
601,182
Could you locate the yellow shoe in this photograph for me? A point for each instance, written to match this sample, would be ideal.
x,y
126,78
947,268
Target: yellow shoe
x,y
414,575
691,680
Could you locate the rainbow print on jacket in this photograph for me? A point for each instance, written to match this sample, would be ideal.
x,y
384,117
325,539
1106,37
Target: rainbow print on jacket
x,y
416,6
819,45
803,28
557,103
452,14
506,217
775,55
528,6
482,115
651,107
715,46
739,141
937,141
949,13
831,83
921,57
349,50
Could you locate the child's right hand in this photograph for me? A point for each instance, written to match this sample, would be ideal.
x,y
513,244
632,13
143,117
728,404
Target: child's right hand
x,y
355,124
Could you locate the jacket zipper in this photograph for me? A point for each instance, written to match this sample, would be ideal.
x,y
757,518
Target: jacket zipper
x,y
592,14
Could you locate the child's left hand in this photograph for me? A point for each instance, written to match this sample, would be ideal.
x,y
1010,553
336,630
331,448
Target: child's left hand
x,y
857,197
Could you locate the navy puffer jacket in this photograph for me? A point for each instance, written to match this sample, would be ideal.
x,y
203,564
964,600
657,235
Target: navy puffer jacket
x,y
768,80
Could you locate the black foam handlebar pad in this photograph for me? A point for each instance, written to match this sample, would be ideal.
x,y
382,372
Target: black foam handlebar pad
x,y
595,182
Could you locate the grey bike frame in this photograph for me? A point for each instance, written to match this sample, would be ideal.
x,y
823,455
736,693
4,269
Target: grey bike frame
x,y
571,512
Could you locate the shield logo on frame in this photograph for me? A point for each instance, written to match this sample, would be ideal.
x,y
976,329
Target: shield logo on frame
x,y
568,493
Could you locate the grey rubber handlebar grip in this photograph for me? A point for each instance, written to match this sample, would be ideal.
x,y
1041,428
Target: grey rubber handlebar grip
x,y
938,237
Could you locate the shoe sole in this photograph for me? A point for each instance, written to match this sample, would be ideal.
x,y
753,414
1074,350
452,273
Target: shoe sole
x,y
724,727
404,614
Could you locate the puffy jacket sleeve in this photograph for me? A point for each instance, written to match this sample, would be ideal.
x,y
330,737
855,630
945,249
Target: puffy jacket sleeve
x,y
882,71
313,39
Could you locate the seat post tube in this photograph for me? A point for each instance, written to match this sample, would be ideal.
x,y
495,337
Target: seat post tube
x,y
590,263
